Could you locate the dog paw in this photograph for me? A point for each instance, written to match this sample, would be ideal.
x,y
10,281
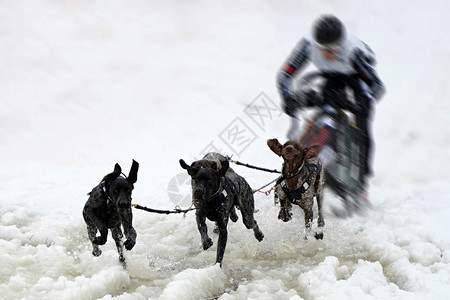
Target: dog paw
x,y
234,217
207,244
259,235
129,244
285,215
123,261
96,252
318,235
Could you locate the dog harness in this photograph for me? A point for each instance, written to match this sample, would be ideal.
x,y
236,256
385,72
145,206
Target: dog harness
x,y
294,196
226,189
105,192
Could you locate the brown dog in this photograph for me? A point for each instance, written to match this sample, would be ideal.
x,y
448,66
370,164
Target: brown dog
x,y
302,179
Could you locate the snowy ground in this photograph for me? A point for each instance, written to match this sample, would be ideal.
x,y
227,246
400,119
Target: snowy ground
x,y
86,84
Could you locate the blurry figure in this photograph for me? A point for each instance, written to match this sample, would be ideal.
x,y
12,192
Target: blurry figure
x,y
336,52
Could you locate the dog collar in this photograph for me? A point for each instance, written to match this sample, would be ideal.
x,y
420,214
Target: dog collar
x,y
295,172
220,190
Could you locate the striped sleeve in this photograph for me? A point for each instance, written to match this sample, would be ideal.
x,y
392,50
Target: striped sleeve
x,y
363,65
295,62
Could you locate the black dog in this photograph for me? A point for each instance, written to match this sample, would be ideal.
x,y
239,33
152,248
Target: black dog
x,y
216,190
109,206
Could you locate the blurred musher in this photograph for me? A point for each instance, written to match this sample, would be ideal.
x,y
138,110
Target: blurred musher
x,y
330,48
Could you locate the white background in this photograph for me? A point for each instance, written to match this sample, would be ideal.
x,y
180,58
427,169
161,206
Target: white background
x,y
86,84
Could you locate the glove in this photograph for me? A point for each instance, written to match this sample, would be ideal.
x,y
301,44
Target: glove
x,y
311,98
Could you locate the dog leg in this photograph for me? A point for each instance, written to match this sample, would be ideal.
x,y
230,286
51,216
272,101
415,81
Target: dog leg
x,y
203,229
222,242
250,222
246,204
258,233
285,208
308,222
320,221
233,216
117,236
130,232
92,232
131,238
93,220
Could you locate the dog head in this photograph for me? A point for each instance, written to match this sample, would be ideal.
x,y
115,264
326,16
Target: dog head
x,y
119,188
292,152
205,176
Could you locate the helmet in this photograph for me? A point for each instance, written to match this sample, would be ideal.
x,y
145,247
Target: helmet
x,y
328,30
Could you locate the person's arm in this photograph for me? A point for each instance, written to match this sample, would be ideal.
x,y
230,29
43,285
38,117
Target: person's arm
x,y
295,62
364,66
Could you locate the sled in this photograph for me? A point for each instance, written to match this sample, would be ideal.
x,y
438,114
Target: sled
x,y
336,132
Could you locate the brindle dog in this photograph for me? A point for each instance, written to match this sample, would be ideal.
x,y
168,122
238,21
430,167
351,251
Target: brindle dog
x,y
302,179
216,190
109,206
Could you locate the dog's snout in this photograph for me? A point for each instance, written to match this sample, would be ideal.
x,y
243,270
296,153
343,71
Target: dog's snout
x,y
123,204
289,148
199,192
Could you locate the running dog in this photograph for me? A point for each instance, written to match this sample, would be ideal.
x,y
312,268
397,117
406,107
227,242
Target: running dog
x,y
302,179
216,191
109,206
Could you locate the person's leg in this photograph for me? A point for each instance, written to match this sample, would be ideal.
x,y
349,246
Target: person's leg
x,y
365,140
333,92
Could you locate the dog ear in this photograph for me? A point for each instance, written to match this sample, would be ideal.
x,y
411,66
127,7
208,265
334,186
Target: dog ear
x,y
184,165
312,151
225,166
191,171
116,173
275,146
132,176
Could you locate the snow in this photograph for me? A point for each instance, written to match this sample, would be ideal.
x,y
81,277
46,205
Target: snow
x,y
86,84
